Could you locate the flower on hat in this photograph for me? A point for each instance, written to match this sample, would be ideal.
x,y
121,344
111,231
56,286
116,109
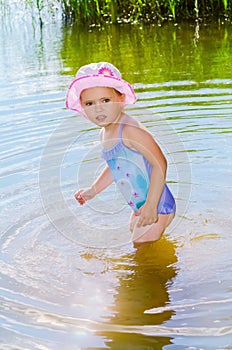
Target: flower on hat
x,y
106,71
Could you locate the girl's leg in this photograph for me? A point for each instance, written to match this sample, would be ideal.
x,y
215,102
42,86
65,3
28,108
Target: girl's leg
x,y
152,232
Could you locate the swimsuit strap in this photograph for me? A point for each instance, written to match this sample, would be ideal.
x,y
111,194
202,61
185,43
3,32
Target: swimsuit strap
x,y
122,125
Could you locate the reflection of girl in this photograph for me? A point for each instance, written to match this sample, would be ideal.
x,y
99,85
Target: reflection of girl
x,y
144,278
134,160
150,270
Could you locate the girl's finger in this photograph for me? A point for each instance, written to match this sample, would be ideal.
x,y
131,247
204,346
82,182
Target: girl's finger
x,y
140,222
79,198
138,212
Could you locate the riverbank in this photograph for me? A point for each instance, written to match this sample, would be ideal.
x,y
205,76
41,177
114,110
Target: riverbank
x,y
131,11
101,12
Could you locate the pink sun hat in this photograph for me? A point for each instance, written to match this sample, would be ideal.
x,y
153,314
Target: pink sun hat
x,y
102,74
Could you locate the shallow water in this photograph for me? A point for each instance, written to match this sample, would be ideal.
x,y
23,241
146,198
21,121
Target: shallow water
x,y
70,277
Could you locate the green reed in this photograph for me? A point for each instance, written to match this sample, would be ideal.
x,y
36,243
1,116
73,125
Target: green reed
x,y
172,7
225,3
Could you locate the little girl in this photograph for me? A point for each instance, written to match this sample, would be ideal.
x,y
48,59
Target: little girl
x,y
133,158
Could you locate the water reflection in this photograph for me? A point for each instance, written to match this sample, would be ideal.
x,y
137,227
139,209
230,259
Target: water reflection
x,y
144,279
151,54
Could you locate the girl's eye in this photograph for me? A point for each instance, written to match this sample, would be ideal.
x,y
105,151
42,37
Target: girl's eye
x,y
88,104
106,100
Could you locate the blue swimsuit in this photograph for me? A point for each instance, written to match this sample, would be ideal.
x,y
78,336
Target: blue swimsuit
x,y
131,172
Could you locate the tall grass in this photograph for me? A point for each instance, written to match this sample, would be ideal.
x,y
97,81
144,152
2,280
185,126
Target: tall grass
x,y
133,11
117,11
82,10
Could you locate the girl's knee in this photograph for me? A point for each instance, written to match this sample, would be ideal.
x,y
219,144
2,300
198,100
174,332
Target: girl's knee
x,y
151,232
147,233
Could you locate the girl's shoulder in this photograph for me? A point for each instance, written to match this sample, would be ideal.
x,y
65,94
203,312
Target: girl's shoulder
x,y
134,132
132,125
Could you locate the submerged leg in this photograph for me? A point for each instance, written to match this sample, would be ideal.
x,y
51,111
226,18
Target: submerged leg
x,y
152,232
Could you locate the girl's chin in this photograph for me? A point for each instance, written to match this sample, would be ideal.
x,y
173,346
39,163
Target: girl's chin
x,y
103,121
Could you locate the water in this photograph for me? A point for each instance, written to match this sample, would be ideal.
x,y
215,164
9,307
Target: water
x,y
70,277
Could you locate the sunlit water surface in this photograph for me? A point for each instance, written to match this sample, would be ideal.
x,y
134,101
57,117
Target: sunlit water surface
x,y
70,277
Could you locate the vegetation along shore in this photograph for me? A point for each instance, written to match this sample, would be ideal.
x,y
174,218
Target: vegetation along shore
x,y
101,12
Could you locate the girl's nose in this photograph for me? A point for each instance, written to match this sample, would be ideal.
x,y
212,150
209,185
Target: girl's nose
x,y
98,106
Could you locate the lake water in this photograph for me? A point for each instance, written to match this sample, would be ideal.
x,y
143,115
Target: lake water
x,y
70,276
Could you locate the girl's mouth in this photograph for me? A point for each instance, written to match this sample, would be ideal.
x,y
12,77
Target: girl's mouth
x,y
101,118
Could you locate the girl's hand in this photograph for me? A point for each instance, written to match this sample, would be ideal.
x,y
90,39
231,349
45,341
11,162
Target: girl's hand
x,y
84,195
148,215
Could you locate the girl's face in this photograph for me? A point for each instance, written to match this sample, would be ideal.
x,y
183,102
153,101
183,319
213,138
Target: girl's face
x,y
102,105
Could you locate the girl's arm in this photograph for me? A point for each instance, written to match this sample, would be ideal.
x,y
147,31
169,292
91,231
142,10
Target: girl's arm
x,y
138,138
104,180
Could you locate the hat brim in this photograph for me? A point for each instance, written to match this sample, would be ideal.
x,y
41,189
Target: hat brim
x,y
86,82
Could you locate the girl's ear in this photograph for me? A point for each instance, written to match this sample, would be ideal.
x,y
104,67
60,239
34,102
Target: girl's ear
x,y
123,98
